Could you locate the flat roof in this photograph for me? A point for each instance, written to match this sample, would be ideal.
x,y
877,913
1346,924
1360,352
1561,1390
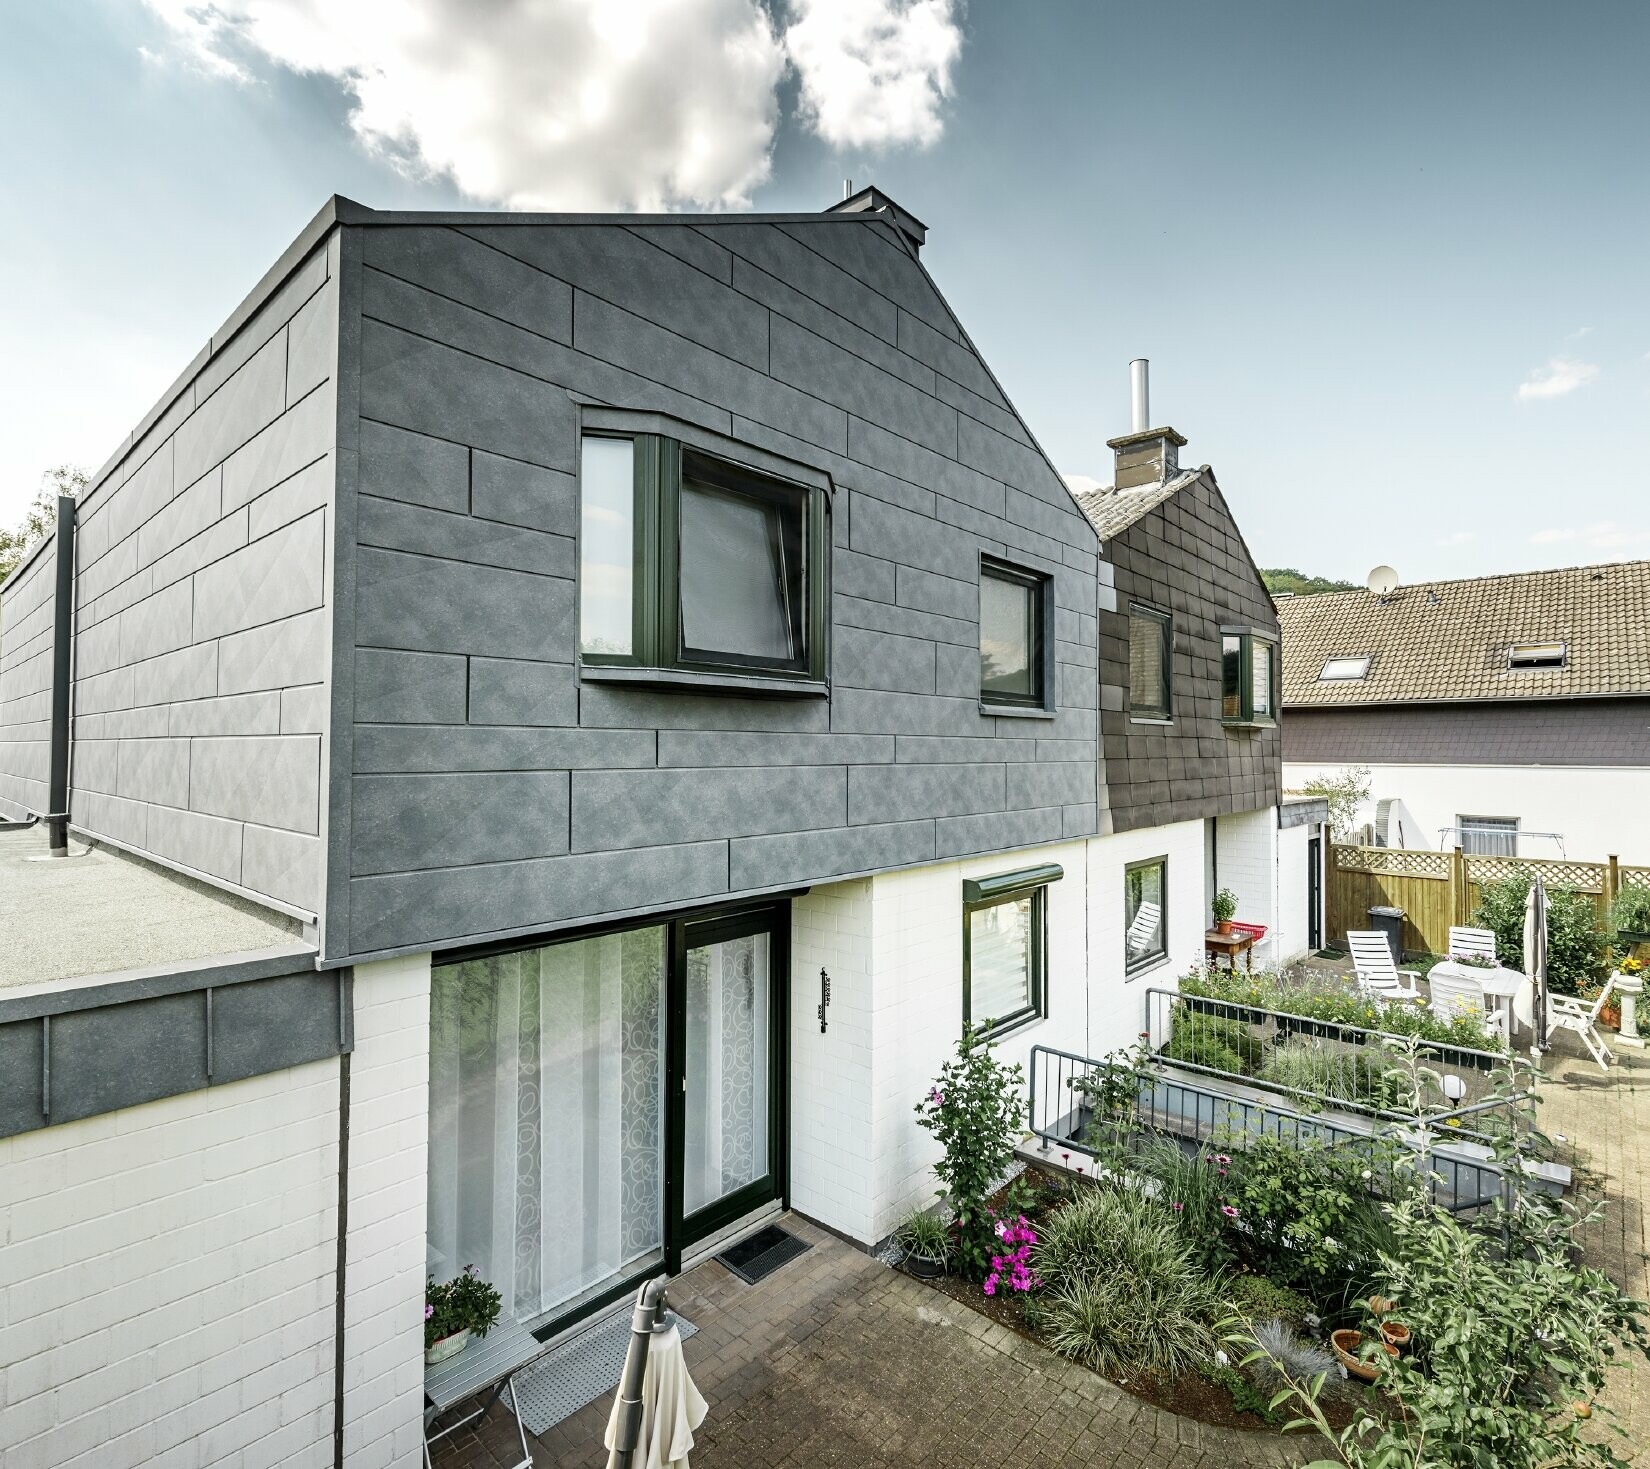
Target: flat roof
x,y
100,912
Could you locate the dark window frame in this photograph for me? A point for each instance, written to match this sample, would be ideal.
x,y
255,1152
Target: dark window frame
x,y
1248,639
1151,960
1012,887
1041,654
1165,625
656,636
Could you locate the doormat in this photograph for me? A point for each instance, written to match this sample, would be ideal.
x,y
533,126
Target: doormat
x,y
578,1372
764,1252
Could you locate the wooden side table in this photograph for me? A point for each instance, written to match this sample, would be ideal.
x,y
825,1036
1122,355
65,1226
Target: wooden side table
x,y
1216,943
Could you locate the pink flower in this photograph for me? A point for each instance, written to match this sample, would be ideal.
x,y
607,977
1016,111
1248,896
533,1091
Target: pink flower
x,y
1228,1211
429,1311
990,1286
1177,1206
1223,1157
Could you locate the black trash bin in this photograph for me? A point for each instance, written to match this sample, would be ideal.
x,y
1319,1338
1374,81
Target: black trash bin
x,y
1389,923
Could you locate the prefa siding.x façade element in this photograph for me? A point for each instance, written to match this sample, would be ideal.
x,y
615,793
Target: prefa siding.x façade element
x,y
481,788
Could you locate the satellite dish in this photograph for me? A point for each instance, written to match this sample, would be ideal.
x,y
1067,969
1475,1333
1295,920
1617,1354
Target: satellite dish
x,y
1383,580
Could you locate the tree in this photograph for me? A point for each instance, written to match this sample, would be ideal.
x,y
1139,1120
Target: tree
x,y
1345,793
1287,579
40,519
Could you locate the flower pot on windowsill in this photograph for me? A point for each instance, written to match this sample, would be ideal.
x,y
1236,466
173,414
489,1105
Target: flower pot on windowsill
x,y
448,1346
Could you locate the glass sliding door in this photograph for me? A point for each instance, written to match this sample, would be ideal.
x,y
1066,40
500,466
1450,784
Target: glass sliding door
x,y
547,1075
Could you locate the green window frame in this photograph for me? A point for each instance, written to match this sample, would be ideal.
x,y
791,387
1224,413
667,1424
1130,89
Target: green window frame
x,y
1146,626
1134,894
1248,677
986,899
1034,586
798,517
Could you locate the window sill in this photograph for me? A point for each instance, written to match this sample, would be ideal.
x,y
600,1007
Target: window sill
x,y
695,682
1250,723
1013,1027
1148,719
1014,711
1141,970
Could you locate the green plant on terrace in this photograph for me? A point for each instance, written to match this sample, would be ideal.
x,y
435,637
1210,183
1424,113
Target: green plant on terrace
x,y
1576,941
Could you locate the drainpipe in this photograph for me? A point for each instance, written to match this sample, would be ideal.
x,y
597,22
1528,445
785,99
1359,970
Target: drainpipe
x,y
57,797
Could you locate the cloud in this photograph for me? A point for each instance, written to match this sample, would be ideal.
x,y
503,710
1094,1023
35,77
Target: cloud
x,y
534,104
874,72
590,104
1601,535
1082,484
1560,376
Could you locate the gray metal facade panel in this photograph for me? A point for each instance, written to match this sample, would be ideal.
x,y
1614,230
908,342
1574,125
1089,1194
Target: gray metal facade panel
x,y
827,346
1187,558
1601,732
26,645
123,1043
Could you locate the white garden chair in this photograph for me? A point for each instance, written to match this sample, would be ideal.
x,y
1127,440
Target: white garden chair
x,y
1565,1012
1378,976
1471,943
1454,995
1142,934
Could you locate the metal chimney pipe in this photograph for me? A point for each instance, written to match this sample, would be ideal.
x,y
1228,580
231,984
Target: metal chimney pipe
x,y
1140,408
847,188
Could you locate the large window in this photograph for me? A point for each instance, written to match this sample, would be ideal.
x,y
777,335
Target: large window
x,y
691,562
1005,948
1151,656
1145,908
1248,678
1013,609
1488,836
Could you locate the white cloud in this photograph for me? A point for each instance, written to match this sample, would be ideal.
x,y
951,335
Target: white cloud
x,y
535,104
1560,376
1082,484
1600,535
874,72
590,104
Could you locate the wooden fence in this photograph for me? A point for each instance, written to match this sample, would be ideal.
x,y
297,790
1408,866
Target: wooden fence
x,y
1437,889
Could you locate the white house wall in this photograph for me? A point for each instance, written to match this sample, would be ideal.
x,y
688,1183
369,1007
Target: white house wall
x,y
1291,933
1598,810
1246,861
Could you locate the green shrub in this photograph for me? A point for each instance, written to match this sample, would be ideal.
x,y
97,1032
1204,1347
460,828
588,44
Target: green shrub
x,y
1355,1075
1193,1187
1630,911
1246,1397
1125,1293
925,1235
1255,1299
1213,1041
1575,941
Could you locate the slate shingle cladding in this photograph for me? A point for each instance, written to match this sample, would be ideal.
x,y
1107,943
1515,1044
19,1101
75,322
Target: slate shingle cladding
x,y
1186,556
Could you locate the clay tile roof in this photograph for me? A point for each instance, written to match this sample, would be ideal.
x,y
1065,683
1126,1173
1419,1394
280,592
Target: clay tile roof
x,y
1449,641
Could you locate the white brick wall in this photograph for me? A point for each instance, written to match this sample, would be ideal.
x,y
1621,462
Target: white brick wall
x,y
1292,931
167,1281
384,1271
1246,861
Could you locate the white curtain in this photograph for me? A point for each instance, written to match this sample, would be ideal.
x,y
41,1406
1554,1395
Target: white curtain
x,y
727,1069
546,1108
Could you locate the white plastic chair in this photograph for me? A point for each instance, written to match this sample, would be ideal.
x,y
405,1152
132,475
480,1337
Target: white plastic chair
x,y
1471,943
1565,1012
1378,976
1455,995
1142,932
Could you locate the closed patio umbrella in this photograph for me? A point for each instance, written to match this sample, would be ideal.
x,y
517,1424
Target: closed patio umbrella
x,y
657,1406
1535,957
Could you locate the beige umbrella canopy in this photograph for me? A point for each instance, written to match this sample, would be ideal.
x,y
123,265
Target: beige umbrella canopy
x,y
1535,957
657,1406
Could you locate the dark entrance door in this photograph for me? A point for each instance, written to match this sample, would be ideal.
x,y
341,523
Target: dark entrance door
x,y
1314,892
726,1089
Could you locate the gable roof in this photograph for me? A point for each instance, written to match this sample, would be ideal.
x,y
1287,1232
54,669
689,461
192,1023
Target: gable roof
x,y
1113,511
1447,642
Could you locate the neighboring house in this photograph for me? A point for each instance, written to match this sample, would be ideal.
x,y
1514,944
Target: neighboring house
x,y
1508,715
573,713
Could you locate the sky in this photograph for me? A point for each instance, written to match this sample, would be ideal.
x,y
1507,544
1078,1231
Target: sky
x,y
1388,260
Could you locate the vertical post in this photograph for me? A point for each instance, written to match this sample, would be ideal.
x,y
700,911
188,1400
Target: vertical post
x,y
57,790
1459,892
1612,880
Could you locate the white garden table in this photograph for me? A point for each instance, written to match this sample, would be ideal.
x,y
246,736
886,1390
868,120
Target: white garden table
x,y
1506,989
487,1366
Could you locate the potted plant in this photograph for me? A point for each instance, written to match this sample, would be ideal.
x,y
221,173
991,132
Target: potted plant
x,y
1347,1343
1225,909
926,1240
1630,915
454,1311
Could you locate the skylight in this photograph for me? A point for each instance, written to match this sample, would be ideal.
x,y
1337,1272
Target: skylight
x,y
1344,670
1538,655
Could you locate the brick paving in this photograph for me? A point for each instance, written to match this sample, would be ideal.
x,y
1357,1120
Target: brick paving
x,y
837,1360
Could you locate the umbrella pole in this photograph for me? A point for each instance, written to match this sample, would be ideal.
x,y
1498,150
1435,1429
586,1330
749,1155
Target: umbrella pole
x,y
650,1306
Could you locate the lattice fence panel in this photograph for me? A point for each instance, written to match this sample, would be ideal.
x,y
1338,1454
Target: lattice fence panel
x,y
1580,877
1634,877
1393,861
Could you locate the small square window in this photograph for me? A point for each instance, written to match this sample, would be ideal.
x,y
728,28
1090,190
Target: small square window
x,y
1151,658
1248,678
1005,948
1344,670
1013,607
1145,907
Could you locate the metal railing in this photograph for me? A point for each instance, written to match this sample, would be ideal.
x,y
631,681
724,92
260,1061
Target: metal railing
x,y
1164,1103
1320,1064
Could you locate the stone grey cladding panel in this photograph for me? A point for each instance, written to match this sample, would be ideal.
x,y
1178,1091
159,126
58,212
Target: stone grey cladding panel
x,y
478,347
1593,732
203,588
1186,557
27,623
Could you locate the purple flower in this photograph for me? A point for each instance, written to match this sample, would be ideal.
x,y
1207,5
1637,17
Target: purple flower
x,y
429,1311
990,1286
1177,1206
1228,1211
1223,1157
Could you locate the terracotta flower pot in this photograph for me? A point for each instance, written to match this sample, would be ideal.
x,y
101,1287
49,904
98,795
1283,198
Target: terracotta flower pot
x,y
1346,1342
1223,925
1380,1305
1395,1334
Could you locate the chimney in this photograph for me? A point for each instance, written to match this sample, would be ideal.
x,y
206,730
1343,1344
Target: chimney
x,y
1145,456
910,230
